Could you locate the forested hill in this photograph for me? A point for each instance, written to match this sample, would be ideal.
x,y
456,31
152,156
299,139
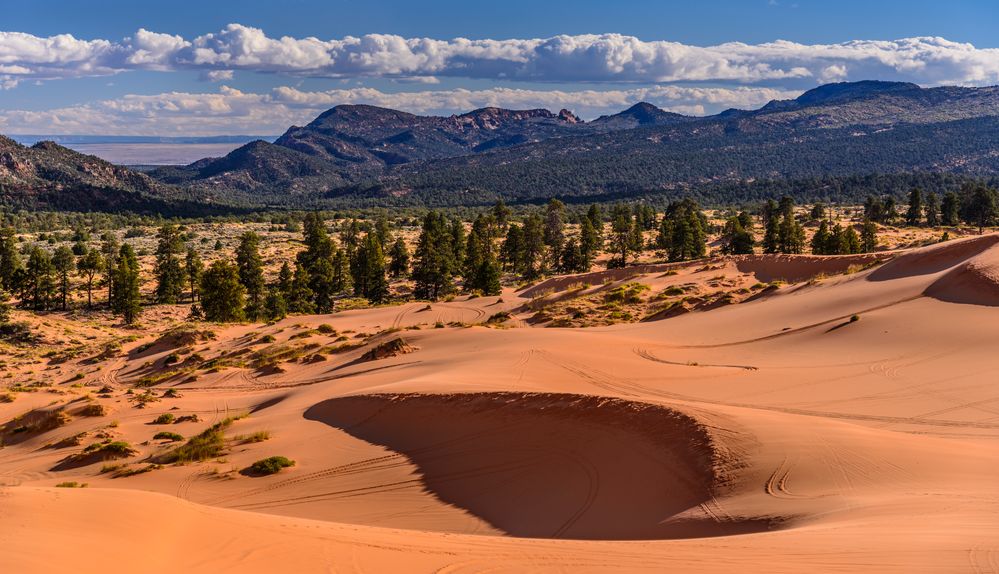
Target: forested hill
x,y
352,155
838,142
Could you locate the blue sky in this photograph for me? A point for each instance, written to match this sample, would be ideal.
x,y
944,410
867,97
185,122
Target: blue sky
x,y
194,71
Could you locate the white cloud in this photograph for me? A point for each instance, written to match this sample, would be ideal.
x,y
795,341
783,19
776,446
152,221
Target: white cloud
x,y
231,111
589,58
216,75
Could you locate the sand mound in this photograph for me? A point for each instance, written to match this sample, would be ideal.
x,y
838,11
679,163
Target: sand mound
x,y
974,283
933,259
796,268
549,465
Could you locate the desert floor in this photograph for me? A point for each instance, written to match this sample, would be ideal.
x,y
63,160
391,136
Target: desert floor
x,y
846,419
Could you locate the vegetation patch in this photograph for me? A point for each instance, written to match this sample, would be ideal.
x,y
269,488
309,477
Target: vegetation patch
x,y
269,465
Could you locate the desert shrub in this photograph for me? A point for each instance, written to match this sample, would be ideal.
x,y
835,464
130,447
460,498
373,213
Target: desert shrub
x,y
270,465
167,435
93,410
326,329
208,444
171,359
71,484
259,436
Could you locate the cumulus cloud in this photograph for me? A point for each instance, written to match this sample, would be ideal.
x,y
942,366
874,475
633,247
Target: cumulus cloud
x,y
231,111
590,58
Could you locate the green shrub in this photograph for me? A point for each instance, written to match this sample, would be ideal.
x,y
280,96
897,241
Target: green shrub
x,y
270,465
163,419
171,359
167,435
326,329
71,484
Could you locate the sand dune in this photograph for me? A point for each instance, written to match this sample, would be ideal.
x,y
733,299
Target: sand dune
x,y
778,434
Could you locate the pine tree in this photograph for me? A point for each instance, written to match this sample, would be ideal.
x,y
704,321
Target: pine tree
x,y
849,241
126,299
399,258
110,248
736,239
914,215
251,273
790,234
300,298
40,284
682,231
194,268
818,212
950,209
771,224
10,261
554,232
317,262
370,281
383,230
342,280
868,237
170,275
481,263
457,244
434,263
820,241
65,264
222,294
275,305
533,247
981,209
89,266
501,218
621,241
932,210
590,244
512,250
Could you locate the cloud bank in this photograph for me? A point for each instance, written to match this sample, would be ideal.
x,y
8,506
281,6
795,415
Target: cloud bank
x,y
583,58
231,111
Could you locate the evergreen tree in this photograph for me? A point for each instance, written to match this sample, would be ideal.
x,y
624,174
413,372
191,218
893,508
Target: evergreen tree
x,y
596,217
383,230
110,248
590,244
126,300
736,239
251,273
621,241
820,241
40,284
818,212
65,264
10,260
682,231
950,209
981,207
318,261
342,279
4,307
868,237
533,247
222,294
434,263
399,258
194,268
512,250
771,224
554,232
370,281
501,218
932,210
457,244
300,298
914,215
482,271
170,276
275,304
89,266
790,234
849,241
